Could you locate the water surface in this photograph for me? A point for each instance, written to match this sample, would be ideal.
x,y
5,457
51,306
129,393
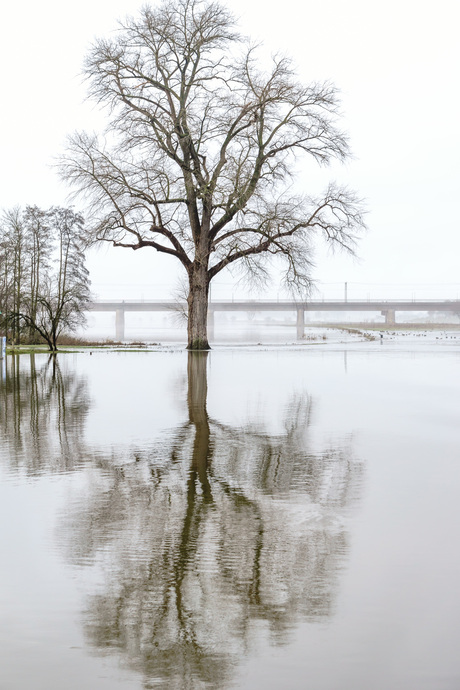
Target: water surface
x,y
250,518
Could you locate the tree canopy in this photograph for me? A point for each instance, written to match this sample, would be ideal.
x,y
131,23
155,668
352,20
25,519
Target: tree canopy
x,y
197,158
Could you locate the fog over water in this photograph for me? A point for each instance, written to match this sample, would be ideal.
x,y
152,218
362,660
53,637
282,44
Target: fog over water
x,y
258,516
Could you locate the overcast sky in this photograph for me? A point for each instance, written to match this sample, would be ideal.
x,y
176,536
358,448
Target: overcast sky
x,y
396,64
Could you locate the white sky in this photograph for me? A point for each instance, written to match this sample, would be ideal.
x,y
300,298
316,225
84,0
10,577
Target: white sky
x,y
396,63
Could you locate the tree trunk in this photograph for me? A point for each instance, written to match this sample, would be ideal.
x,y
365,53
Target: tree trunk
x,y
198,308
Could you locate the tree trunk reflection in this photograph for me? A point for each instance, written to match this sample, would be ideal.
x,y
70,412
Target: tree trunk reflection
x,y
42,414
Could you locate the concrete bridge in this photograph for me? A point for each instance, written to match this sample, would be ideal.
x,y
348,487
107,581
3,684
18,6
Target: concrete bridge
x,y
387,308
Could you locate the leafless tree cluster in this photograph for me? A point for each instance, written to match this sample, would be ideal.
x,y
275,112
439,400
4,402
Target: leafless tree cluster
x,y
197,158
44,284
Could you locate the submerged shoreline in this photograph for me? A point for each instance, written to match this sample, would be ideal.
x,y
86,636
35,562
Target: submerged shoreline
x,y
314,335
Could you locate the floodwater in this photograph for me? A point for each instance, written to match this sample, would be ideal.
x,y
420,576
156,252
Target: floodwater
x,y
283,517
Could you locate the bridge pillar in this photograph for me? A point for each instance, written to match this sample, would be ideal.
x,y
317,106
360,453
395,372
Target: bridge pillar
x,y
300,323
210,324
390,317
120,324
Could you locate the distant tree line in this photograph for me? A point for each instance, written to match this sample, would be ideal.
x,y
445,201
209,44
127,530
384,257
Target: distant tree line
x,y
44,283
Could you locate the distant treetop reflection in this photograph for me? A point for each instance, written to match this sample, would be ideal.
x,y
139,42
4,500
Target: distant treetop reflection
x,y
212,532
42,415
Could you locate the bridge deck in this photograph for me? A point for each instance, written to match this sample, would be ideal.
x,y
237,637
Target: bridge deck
x,y
286,305
387,308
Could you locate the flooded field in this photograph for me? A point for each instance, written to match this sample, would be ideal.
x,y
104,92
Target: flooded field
x,y
253,517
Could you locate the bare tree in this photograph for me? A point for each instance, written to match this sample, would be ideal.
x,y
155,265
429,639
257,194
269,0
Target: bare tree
x,y
39,249
197,158
14,270
6,280
64,296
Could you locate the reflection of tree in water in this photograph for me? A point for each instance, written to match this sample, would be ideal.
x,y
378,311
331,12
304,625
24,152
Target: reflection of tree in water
x,y
217,532
42,414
